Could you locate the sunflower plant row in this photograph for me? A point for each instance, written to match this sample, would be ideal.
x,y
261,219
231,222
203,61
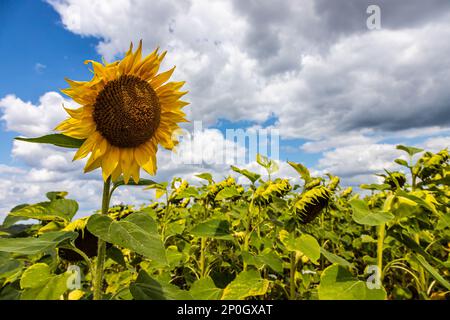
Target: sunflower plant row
x,y
258,239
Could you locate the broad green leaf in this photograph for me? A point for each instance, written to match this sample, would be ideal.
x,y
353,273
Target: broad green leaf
x,y
137,232
253,177
410,150
214,228
11,220
424,203
336,283
305,244
35,276
246,284
205,289
51,290
363,215
288,240
33,245
205,176
226,193
301,170
58,140
309,246
434,273
60,209
269,259
9,267
9,293
174,257
147,288
335,258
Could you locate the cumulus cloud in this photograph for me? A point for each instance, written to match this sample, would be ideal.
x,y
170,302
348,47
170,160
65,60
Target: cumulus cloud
x,y
30,120
312,65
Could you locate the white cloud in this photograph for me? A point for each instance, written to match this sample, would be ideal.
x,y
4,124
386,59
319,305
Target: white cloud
x,y
31,120
359,159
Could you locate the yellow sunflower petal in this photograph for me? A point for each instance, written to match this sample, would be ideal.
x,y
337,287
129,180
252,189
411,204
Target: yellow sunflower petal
x,y
135,171
126,159
110,161
116,173
86,147
161,78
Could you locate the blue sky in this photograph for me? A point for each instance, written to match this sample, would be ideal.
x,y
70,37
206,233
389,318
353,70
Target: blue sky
x,y
33,36
341,95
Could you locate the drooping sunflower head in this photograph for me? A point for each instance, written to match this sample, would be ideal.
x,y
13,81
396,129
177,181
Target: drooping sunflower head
x,y
127,109
311,203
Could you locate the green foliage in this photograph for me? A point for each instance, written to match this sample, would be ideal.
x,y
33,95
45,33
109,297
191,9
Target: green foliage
x,y
265,239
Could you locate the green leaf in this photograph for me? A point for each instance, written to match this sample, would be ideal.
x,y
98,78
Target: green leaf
x,y
205,176
147,288
137,232
309,246
301,170
60,209
305,244
269,259
335,258
410,150
54,195
417,200
205,289
253,177
246,284
187,193
434,273
9,267
9,292
363,215
336,283
51,290
33,245
11,220
35,276
263,161
58,140
226,193
402,162
374,186
142,182
214,228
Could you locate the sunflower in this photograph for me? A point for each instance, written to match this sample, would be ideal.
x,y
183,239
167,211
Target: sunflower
x,y
128,108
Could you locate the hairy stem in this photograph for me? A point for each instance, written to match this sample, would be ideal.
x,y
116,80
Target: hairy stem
x,y
101,246
292,286
202,257
380,242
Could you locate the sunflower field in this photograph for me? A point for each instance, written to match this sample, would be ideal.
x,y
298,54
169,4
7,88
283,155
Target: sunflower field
x,y
264,239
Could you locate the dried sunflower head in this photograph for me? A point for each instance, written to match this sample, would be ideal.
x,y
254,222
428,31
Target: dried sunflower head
x,y
311,203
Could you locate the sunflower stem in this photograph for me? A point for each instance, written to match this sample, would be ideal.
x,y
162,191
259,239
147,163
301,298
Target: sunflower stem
x,y
292,284
380,242
101,246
